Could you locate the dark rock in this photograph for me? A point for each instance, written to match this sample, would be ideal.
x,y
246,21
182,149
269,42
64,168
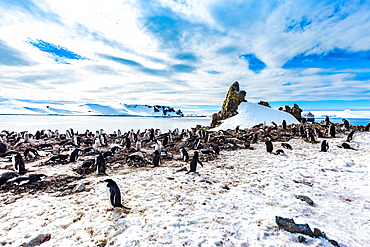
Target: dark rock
x,y
264,103
295,111
333,242
301,239
305,198
318,233
230,106
40,239
290,226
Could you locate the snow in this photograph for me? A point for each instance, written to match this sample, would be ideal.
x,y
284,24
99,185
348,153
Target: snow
x,y
172,208
70,108
251,114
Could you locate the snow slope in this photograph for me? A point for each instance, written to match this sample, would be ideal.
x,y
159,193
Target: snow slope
x,y
251,114
71,108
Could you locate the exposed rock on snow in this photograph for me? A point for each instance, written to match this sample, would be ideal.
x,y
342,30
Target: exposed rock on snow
x,y
230,106
251,114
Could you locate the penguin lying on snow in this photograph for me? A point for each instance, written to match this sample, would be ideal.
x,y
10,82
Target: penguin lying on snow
x,y
33,178
286,145
6,176
114,195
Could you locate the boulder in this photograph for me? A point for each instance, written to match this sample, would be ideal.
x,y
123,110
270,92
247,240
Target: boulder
x,y
264,103
234,97
295,111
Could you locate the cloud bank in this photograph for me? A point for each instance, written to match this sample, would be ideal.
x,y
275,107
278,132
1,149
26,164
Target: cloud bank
x,y
185,52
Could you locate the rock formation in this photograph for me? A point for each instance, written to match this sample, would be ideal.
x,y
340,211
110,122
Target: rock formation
x,y
230,106
264,103
295,111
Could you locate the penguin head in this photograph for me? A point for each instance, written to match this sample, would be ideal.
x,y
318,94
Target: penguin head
x,y
109,181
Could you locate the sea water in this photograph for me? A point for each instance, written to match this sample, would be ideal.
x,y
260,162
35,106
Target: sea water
x,y
32,123
352,121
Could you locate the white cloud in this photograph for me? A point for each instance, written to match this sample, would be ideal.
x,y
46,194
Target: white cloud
x,y
213,35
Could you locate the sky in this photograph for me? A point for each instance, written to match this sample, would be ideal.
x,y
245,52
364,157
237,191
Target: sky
x,y
186,52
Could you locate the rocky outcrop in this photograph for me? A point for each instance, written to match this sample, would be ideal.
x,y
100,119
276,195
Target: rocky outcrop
x,y
230,106
264,103
295,111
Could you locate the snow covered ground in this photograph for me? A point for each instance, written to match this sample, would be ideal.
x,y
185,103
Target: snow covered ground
x,y
251,114
232,201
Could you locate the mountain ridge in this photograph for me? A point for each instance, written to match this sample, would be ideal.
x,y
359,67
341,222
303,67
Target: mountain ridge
x,y
21,107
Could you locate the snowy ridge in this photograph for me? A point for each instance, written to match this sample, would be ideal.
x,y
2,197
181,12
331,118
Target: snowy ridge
x,y
71,108
251,114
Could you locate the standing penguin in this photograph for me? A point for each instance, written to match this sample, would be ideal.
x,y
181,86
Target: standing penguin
x,y
2,147
156,158
18,164
100,164
332,130
194,161
350,136
114,195
324,146
184,154
74,155
215,148
138,145
284,124
367,128
269,146
346,123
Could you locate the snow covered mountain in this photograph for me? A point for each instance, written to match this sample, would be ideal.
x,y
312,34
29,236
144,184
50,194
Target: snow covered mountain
x,y
251,114
10,106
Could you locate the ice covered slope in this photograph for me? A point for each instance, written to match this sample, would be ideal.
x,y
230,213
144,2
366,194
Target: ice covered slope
x,y
14,106
251,114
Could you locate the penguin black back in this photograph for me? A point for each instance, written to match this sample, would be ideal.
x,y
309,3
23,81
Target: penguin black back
x,y
100,164
19,164
194,161
332,130
6,176
367,128
269,146
324,146
184,154
284,124
346,123
156,158
350,136
286,145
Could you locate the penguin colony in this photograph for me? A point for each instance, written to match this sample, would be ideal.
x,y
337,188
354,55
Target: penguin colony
x,y
93,154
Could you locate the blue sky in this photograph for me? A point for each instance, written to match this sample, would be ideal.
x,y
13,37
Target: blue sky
x,y
187,52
